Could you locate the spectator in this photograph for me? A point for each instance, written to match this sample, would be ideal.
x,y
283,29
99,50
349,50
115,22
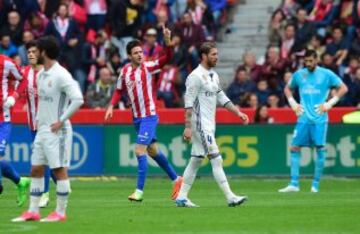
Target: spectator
x,y
289,7
114,63
99,93
249,100
262,91
7,47
323,14
125,22
22,51
242,84
276,27
349,79
152,50
317,44
338,47
192,36
162,18
249,64
355,45
262,115
93,56
196,9
327,61
13,28
273,101
166,86
96,14
36,23
287,41
179,59
274,66
68,35
347,18
304,29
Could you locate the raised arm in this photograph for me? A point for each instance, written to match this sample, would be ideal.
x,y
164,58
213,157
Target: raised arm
x,y
166,57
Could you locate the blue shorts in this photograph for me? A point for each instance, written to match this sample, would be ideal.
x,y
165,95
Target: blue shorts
x,y
309,134
146,129
5,131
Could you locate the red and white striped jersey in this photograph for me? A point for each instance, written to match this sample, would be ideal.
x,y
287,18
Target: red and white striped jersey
x,y
137,81
31,95
9,76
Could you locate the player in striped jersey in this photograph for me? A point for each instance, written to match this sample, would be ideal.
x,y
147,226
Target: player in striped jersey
x,y
136,79
30,73
10,76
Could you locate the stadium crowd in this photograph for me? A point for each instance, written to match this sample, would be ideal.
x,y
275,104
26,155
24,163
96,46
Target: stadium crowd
x,y
330,27
93,35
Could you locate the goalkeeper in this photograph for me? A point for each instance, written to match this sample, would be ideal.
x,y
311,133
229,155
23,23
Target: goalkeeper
x,y
314,84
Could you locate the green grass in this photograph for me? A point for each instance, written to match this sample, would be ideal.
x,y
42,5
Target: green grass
x,y
102,207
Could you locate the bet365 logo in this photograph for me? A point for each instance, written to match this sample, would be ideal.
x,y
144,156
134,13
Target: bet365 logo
x,y
342,151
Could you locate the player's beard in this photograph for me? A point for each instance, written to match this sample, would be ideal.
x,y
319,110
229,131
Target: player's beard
x,y
311,69
211,63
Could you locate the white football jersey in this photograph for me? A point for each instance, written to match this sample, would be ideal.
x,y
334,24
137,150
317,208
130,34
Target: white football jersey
x,y
203,93
56,88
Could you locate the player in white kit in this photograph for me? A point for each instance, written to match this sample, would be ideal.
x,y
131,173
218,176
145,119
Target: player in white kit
x,y
59,98
203,93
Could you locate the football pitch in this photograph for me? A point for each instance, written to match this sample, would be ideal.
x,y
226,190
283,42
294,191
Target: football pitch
x,y
101,206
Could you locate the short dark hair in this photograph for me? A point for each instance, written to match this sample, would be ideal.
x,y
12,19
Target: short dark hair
x,y
50,46
30,44
206,47
131,45
311,53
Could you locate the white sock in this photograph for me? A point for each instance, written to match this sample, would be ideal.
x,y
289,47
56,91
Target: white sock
x,y
189,176
36,190
62,192
220,176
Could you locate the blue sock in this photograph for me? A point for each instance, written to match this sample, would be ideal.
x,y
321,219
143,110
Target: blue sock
x,y
142,170
295,167
319,166
46,179
9,171
53,177
161,160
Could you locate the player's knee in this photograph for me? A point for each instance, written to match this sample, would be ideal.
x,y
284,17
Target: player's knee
x,y
139,150
152,150
37,171
60,173
295,149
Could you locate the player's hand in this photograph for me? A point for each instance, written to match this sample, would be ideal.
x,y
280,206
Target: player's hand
x,y
297,108
109,113
9,102
322,108
55,127
244,117
187,134
167,35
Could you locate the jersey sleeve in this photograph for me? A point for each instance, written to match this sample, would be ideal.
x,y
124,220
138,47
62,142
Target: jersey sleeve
x,y
15,73
154,66
221,97
72,90
334,80
193,85
119,87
